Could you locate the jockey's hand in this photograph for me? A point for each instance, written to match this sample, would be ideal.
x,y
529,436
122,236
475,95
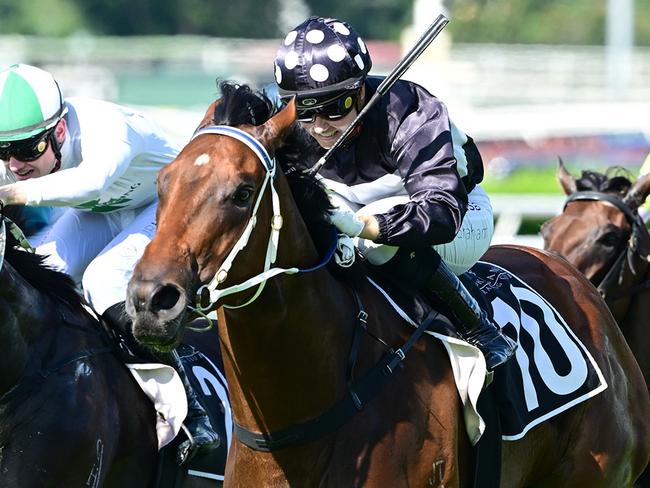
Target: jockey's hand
x,y
12,195
347,222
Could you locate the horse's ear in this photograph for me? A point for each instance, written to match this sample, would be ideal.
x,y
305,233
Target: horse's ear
x,y
208,118
637,194
273,131
566,179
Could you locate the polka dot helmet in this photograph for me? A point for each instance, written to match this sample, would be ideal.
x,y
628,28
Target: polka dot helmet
x,y
319,61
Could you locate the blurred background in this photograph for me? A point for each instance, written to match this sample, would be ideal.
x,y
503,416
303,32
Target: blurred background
x,y
529,80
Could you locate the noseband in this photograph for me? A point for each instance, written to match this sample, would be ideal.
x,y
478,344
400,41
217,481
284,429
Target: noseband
x,y
614,275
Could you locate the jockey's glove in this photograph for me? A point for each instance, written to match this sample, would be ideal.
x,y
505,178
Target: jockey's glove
x,y
346,221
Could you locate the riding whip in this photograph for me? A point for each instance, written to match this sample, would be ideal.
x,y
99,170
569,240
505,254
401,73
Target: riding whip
x,y
423,42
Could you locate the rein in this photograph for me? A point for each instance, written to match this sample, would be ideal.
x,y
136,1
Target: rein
x,y
15,231
614,275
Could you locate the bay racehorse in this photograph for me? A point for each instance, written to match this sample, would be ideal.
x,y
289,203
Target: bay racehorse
x,y
71,415
601,233
238,232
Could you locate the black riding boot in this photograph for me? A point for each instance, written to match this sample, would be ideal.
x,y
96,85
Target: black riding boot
x,y
473,323
201,433
203,436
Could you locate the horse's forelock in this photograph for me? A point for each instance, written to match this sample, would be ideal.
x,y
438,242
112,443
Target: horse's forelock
x,y
240,105
615,180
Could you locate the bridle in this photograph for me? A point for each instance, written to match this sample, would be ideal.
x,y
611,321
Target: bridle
x,y
614,276
359,391
211,290
15,231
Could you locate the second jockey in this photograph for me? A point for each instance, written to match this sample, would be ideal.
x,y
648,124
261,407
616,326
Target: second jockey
x,y
100,160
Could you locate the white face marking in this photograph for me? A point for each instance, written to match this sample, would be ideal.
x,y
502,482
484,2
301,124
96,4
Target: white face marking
x,y
202,159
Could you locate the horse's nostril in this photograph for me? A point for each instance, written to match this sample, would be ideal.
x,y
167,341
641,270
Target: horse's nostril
x,y
165,298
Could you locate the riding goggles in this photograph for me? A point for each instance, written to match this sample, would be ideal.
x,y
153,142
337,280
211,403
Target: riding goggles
x,y
331,109
26,150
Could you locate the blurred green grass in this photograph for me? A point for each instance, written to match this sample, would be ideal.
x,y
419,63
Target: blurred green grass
x,y
523,180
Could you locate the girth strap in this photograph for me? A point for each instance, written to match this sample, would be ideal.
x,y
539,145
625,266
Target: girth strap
x,y
358,396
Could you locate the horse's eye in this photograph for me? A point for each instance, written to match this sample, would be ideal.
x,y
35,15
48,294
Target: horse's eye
x,y
242,195
610,239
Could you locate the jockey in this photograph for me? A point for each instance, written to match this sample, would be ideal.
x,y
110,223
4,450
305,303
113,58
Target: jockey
x,y
99,160
405,183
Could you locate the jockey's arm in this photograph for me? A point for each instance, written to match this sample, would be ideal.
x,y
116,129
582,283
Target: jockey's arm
x,y
371,227
12,194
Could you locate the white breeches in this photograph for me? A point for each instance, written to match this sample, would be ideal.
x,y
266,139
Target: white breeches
x,y
470,243
99,250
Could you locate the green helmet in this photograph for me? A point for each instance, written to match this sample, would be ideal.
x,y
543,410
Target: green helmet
x,y
30,102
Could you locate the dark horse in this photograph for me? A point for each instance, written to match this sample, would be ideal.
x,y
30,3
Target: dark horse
x,y
223,206
600,233
71,415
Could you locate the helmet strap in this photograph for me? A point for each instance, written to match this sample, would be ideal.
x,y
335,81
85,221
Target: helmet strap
x,y
56,148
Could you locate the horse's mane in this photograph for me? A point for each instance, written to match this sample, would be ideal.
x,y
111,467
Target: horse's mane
x,y
615,180
240,105
46,280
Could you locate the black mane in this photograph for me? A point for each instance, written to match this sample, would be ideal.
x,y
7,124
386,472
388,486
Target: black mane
x,y
58,286
240,105
615,180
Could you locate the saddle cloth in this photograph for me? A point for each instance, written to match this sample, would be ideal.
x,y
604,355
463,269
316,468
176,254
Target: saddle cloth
x,y
550,372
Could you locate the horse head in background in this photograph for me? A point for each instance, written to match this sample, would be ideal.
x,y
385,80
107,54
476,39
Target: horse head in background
x,y
70,412
246,234
601,233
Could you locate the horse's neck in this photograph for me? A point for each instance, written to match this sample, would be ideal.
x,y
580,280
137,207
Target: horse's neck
x,y
30,323
285,353
622,308
20,308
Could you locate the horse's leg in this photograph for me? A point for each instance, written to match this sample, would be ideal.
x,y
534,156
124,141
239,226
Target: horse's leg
x,y
610,446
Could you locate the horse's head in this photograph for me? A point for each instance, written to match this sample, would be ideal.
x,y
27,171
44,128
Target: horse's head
x,y
210,198
598,219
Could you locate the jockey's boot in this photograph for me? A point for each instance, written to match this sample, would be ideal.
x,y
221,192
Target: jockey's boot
x,y
473,323
202,436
